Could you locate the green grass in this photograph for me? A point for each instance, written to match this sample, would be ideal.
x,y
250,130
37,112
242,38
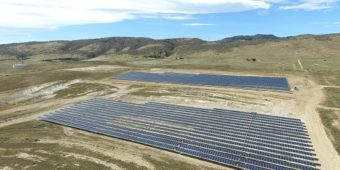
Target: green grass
x,y
332,97
331,121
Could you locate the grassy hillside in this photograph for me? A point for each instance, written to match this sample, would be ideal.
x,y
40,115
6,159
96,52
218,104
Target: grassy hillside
x,y
316,53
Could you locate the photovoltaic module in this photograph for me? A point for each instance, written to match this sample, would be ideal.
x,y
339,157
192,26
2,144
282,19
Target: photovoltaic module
x,y
250,82
236,139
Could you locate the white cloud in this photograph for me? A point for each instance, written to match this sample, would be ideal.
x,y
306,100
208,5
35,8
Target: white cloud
x,y
58,13
179,17
198,24
310,5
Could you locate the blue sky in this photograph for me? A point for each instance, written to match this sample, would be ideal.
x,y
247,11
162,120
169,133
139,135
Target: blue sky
x,y
42,20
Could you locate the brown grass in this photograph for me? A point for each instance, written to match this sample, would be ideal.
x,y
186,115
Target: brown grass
x,y
331,121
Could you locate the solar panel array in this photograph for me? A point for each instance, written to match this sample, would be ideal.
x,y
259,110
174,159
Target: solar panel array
x,y
253,82
236,139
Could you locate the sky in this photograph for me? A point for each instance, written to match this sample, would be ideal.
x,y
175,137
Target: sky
x,y
45,20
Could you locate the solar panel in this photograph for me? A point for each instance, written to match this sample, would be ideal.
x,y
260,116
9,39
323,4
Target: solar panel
x,y
252,82
226,137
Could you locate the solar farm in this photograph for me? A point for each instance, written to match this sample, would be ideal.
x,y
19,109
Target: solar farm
x,y
251,82
242,140
126,103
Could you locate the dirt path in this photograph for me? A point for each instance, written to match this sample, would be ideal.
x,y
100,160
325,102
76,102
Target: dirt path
x,y
330,108
99,68
332,86
328,157
123,90
21,120
50,105
92,159
44,107
301,66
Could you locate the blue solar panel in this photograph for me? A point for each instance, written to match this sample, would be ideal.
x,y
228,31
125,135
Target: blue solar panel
x,y
253,82
234,141
231,138
234,138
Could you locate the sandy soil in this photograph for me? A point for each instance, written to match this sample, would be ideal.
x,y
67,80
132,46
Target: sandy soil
x,y
309,101
89,158
268,102
30,157
100,68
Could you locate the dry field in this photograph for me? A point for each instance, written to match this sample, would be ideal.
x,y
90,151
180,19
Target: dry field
x,y
26,143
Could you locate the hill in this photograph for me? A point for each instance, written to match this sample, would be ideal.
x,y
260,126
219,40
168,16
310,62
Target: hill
x,y
250,38
151,48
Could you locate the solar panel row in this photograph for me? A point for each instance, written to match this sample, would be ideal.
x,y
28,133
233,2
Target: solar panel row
x,y
222,134
264,83
213,113
167,140
232,124
128,110
181,130
228,137
218,114
221,112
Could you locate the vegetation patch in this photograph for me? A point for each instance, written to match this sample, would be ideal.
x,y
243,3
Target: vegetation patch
x,y
80,89
62,59
25,139
165,163
29,79
327,78
331,122
332,97
147,93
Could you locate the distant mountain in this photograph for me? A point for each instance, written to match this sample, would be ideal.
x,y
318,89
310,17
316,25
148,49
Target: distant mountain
x,y
250,38
147,47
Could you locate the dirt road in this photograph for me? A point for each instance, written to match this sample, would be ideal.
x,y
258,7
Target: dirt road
x,y
325,151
